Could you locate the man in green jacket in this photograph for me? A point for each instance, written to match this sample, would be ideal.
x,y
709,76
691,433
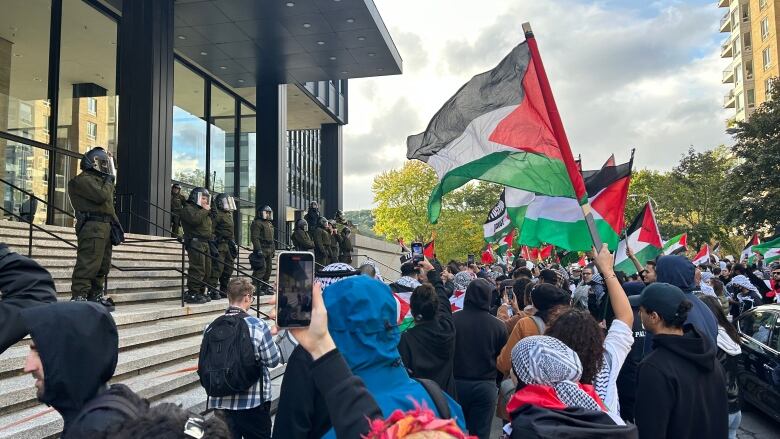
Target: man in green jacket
x,y
224,239
335,241
92,196
196,221
177,203
262,233
345,246
301,238
322,243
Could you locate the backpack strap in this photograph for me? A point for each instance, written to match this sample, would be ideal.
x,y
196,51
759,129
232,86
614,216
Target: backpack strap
x,y
539,324
437,395
111,401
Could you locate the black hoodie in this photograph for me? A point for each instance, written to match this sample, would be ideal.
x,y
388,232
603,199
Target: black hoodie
x,y
427,349
78,346
479,336
681,391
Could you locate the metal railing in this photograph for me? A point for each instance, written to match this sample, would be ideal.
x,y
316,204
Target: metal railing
x,y
181,269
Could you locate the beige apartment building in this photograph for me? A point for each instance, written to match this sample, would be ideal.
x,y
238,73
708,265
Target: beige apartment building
x,y
752,47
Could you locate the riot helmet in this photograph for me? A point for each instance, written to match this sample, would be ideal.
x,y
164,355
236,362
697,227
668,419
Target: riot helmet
x,y
225,202
200,196
323,222
176,188
314,205
98,160
302,225
345,231
267,213
339,216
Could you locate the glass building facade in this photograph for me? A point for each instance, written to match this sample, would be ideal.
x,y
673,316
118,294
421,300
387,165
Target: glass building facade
x,y
189,101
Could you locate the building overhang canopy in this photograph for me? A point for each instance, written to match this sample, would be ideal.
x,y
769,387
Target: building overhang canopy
x,y
246,42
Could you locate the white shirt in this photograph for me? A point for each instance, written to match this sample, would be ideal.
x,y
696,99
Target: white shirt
x,y
617,345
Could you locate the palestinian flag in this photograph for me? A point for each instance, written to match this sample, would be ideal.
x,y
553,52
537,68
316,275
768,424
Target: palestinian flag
x,y
525,253
487,256
582,262
498,224
715,251
770,250
502,126
559,220
429,250
545,252
404,316
747,252
676,244
505,246
703,257
643,238
456,300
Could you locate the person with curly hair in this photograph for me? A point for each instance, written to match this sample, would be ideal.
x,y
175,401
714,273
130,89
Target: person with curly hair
x,y
602,357
681,390
169,421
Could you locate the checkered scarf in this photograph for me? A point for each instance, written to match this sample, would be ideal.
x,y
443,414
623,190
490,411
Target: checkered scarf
x,y
337,266
742,281
462,280
544,360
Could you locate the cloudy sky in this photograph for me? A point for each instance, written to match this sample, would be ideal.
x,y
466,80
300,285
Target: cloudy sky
x,y
625,73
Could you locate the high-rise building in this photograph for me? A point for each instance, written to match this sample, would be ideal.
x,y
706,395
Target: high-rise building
x,y
752,48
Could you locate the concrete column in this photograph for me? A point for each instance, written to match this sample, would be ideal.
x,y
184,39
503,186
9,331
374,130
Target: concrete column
x,y
144,153
272,153
331,153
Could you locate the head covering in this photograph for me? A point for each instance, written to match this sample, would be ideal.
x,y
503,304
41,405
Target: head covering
x,y
723,265
660,297
478,295
408,282
493,275
544,360
742,281
371,262
676,270
420,422
706,275
339,271
462,280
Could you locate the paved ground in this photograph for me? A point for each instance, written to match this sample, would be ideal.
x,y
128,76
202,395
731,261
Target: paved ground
x,y
755,425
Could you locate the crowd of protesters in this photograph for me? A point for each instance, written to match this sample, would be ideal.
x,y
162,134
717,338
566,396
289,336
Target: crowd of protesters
x,y
550,351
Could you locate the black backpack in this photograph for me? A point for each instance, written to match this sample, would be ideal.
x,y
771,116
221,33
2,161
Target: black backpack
x,y
118,399
227,363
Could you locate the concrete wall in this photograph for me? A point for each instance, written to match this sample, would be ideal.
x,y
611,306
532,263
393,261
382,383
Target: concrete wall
x,y
386,254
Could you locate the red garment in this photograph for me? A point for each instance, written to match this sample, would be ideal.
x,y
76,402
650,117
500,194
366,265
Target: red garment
x,y
545,396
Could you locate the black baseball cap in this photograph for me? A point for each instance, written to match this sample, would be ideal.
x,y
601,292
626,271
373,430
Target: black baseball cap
x,y
660,297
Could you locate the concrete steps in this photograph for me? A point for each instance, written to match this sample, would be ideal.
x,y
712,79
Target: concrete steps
x,y
159,339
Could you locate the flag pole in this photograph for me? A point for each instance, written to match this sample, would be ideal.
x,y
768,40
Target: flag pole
x,y
560,135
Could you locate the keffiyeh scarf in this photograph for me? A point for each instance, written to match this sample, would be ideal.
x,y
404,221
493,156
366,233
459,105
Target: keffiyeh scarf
x,y
462,280
344,271
742,281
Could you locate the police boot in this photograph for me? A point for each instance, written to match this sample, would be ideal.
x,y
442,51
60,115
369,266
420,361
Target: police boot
x,y
193,297
204,296
214,294
222,291
98,297
78,298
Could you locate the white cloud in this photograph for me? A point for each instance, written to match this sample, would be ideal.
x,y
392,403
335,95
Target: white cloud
x,y
622,77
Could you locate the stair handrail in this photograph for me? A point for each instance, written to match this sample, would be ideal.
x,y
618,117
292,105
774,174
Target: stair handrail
x,y
378,262
123,269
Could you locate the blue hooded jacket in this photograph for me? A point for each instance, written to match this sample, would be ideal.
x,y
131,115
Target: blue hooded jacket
x,y
362,319
680,272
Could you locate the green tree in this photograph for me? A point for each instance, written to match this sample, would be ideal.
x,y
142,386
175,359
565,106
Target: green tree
x,y
691,198
402,210
754,183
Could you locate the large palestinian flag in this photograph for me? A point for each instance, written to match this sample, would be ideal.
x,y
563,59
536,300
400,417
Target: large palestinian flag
x,y
770,250
703,257
676,244
501,126
498,224
559,220
643,238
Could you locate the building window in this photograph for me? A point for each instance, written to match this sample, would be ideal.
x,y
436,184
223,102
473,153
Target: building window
x,y
751,98
738,74
737,47
768,89
189,126
767,57
91,131
762,4
764,28
747,40
745,12
92,106
222,132
740,102
749,69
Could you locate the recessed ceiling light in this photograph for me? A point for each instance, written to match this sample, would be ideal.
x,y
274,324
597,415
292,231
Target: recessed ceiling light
x,y
332,58
204,53
371,54
361,38
223,67
290,4
241,81
350,20
307,25
181,37
18,55
321,43
344,72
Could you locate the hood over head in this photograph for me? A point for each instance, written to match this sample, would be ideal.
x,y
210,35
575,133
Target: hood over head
x,y
691,346
676,270
78,345
633,288
478,295
362,319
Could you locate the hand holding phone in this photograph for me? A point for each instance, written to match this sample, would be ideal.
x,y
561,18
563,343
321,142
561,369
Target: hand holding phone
x,y
417,252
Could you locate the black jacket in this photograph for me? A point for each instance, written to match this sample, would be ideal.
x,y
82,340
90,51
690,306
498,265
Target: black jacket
x,y
428,348
78,346
530,421
626,381
23,284
302,413
681,391
479,336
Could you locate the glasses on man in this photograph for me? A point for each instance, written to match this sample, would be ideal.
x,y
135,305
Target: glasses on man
x,y
776,273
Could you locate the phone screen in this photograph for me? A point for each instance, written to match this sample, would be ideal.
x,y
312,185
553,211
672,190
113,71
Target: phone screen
x,y
417,252
470,259
294,283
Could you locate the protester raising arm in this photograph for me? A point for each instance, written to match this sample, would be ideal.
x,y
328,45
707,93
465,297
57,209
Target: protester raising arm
x,y
632,256
23,284
350,406
617,297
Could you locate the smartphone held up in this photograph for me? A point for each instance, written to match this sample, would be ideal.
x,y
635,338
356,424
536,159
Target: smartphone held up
x,y
418,254
294,284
